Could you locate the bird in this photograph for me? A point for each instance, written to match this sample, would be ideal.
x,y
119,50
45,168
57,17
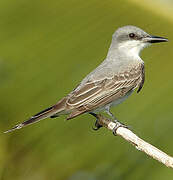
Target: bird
x,y
112,82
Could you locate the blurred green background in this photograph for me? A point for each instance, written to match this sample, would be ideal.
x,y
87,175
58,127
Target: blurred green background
x,y
46,49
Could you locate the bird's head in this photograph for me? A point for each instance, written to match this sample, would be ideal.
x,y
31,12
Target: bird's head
x,y
134,39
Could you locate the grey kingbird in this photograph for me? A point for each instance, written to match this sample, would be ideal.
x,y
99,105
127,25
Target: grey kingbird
x,y
110,83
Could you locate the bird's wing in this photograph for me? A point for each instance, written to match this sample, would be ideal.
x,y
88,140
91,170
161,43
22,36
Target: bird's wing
x,y
143,77
92,95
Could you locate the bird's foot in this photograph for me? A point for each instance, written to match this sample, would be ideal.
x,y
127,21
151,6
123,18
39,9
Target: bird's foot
x,y
97,126
117,125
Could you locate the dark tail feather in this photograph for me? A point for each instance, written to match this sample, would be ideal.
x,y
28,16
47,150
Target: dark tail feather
x,y
59,107
37,117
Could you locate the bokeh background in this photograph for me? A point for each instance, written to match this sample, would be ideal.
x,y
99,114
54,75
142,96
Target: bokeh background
x,y
46,49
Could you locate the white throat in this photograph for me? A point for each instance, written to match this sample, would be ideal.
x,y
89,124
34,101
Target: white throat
x,y
132,48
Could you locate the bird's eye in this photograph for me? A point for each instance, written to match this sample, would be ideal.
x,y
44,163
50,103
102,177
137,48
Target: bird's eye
x,y
131,35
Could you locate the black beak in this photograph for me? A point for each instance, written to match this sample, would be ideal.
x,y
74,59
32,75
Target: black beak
x,y
155,39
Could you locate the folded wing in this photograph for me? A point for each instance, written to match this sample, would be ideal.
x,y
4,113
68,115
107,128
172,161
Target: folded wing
x,y
92,95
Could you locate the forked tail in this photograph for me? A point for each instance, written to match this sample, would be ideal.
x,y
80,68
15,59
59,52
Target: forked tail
x,y
51,111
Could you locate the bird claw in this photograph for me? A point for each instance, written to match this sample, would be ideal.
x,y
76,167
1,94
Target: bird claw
x,y
117,125
97,126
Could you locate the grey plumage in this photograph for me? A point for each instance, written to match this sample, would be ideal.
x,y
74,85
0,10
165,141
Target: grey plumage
x,y
110,83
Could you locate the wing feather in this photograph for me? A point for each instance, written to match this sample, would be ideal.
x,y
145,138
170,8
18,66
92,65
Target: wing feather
x,y
92,95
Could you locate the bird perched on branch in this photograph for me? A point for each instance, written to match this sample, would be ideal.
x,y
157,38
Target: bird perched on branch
x,y
110,83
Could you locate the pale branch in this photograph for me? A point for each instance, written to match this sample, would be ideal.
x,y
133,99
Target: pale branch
x,y
140,144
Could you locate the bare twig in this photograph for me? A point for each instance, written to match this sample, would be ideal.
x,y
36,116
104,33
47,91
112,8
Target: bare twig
x,y
140,144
